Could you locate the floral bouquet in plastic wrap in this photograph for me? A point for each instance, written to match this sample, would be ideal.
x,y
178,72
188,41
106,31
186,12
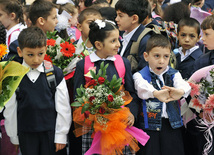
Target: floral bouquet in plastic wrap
x,y
11,74
100,106
202,100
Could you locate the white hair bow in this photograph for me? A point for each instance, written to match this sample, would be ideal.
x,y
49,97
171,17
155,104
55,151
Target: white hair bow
x,y
100,23
64,1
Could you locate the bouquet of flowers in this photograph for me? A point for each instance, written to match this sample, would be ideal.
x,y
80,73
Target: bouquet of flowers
x,y
59,51
11,74
202,100
100,107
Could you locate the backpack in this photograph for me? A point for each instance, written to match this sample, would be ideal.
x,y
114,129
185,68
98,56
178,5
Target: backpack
x,y
150,29
118,63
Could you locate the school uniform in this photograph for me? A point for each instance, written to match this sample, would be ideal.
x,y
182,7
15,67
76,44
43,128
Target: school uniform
x,y
185,63
129,39
110,71
35,117
161,121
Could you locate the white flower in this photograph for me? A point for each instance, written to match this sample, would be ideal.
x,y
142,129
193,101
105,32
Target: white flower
x,y
100,23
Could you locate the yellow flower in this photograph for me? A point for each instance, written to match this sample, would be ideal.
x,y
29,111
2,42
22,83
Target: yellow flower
x,y
3,50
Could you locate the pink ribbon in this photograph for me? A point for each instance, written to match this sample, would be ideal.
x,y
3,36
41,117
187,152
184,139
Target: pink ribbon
x,y
139,134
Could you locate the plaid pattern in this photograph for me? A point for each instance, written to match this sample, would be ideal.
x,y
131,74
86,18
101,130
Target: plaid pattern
x,y
87,141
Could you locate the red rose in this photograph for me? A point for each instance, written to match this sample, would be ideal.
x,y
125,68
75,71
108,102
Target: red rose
x,y
110,98
91,98
101,110
101,80
92,82
86,114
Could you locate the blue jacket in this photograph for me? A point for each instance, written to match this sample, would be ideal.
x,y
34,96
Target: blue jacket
x,y
150,117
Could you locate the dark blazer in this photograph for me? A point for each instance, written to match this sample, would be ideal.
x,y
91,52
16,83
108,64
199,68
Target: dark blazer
x,y
203,61
186,66
142,46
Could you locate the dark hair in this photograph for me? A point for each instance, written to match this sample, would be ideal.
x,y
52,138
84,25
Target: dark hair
x,y
2,34
157,40
108,13
86,12
176,12
88,3
133,7
32,37
100,34
190,22
40,8
15,6
208,23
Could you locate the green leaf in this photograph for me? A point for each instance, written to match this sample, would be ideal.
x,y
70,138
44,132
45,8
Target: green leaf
x,y
76,104
102,65
85,108
80,100
79,92
93,74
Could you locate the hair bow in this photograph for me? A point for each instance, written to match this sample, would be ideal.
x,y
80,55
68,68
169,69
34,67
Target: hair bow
x,y
100,23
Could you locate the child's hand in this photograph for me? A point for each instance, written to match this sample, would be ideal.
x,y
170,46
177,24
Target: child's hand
x,y
161,95
59,146
174,93
130,120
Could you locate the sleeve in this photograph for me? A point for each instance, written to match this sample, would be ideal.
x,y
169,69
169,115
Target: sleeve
x,y
63,108
180,83
144,89
129,86
10,114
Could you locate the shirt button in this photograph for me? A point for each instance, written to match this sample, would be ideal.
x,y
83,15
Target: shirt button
x,y
158,129
33,80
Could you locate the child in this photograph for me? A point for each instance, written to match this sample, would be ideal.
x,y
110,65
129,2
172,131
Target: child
x,y
189,52
105,39
130,15
159,86
83,4
207,59
43,14
12,19
40,115
85,18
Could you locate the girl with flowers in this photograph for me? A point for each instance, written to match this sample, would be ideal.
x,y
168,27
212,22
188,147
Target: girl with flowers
x,y
104,37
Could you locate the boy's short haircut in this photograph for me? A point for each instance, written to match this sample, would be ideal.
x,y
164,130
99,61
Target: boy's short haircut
x,y
133,7
32,37
86,12
208,23
190,22
40,8
157,40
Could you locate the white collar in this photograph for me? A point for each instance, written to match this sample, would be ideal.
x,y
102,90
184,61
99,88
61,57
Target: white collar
x,y
189,51
17,26
40,68
93,57
127,36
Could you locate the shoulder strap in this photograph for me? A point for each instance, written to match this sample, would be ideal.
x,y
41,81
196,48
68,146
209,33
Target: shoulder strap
x,y
119,65
49,71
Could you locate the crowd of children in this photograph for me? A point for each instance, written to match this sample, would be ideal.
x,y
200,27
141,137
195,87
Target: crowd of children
x,y
38,118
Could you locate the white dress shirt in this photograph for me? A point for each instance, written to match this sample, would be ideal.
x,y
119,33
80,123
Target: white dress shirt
x,y
62,105
126,39
187,53
145,90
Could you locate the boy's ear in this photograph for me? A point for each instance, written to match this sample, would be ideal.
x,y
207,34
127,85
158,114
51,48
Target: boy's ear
x,y
79,27
19,51
41,21
145,55
135,19
98,45
13,16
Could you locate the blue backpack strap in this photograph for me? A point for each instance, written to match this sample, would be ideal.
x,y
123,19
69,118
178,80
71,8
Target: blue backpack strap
x,y
145,73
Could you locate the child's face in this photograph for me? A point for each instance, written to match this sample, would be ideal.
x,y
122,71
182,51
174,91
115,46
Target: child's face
x,y
208,38
158,59
81,5
124,21
109,46
187,37
51,21
73,21
6,19
33,56
84,27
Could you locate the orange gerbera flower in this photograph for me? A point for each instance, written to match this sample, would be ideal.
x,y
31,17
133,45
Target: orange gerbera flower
x,y
68,49
51,42
3,50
